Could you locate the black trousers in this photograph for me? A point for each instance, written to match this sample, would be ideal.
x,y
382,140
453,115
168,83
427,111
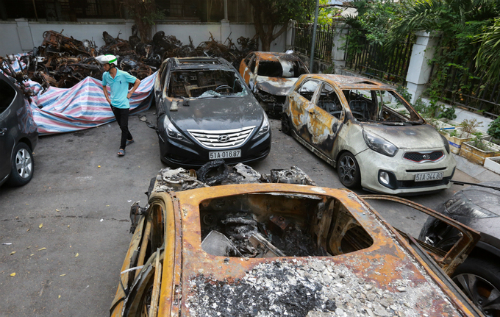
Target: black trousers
x,y
121,116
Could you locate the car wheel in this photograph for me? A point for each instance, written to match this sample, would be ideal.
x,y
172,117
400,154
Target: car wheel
x,y
22,167
479,279
285,125
348,171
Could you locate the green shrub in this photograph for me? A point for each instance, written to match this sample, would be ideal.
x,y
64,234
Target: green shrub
x,y
494,128
448,113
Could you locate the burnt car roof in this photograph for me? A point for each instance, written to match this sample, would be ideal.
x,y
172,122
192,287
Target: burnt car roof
x,y
388,266
201,63
275,56
351,82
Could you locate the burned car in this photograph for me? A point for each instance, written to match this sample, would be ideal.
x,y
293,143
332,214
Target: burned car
x,y
366,130
277,249
478,207
205,111
270,75
18,135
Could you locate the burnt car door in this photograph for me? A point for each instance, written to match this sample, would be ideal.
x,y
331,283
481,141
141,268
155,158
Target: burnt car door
x,y
247,67
302,106
326,119
8,120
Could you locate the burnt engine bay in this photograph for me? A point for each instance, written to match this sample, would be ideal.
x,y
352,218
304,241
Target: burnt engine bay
x,y
278,225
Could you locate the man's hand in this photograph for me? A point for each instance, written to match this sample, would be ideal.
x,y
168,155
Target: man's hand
x,y
129,95
109,100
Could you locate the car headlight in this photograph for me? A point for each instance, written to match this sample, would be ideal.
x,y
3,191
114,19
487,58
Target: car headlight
x,y
172,131
264,128
446,144
379,145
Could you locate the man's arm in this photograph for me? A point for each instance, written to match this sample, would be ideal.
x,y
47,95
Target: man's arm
x,y
136,84
105,90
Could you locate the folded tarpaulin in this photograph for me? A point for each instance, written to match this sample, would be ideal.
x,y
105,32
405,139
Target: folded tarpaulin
x,y
83,106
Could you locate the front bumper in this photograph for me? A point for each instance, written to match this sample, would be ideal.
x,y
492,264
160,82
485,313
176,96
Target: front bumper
x,y
175,153
403,173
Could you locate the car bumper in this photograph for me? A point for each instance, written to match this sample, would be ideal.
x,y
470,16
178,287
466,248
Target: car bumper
x,y
175,153
403,173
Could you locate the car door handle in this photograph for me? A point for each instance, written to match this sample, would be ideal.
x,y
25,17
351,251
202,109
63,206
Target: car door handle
x,y
2,131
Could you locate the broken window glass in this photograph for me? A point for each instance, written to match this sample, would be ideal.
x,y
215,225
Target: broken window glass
x,y
277,225
7,95
206,83
380,106
329,101
308,88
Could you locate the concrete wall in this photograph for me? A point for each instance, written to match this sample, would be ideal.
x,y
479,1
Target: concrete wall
x,y
21,36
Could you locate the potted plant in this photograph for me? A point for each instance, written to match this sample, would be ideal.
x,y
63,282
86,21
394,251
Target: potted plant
x,y
460,134
477,150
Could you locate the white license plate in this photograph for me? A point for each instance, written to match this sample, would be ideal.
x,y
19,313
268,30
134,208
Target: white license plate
x,y
422,177
224,154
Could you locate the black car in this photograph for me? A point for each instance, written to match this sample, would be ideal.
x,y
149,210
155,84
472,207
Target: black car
x,y
479,276
205,112
18,135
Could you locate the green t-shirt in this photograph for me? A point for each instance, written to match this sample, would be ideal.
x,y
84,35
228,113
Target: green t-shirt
x,y
119,88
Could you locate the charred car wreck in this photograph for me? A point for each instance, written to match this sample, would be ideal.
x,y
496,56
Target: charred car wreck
x,y
270,75
254,248
206,112
368,132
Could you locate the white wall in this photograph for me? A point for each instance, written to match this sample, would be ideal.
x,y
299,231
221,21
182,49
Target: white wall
x,y
199,32
9,39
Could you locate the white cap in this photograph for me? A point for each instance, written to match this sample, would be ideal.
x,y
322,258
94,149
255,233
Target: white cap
x,y
107,59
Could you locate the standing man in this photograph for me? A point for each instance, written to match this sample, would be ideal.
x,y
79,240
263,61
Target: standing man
x,y
118,81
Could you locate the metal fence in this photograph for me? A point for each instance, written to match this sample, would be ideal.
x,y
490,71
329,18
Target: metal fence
x,y
325,34
466,86
376,61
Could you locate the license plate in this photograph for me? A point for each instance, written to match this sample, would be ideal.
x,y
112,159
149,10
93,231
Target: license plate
x,y
224,154
422,177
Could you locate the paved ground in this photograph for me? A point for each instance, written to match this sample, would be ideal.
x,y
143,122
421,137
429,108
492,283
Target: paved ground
x,y
69,226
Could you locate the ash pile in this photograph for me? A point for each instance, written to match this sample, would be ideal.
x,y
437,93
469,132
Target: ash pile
x,y
306,287
63,61
218,173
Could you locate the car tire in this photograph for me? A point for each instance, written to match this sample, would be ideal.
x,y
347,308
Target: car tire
x,y
285,125
479,279
22,165
348,171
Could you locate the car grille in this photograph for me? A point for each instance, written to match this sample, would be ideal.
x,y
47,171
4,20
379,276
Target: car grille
x,y
426,156
413,184
218,139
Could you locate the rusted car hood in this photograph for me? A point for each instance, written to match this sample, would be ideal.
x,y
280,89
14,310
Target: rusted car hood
x,y
218,114
274,85
407,137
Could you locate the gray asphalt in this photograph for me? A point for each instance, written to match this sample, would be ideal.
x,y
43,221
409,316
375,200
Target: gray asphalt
x,y
69,227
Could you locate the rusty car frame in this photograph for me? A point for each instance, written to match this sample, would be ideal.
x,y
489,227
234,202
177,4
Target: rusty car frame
x,y
280,249
366,130
270,75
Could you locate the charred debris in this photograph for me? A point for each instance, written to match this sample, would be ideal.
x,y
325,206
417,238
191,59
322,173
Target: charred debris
x,y
63,61
230,226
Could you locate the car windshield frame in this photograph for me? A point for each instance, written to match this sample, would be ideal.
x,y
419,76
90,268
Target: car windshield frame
x,y
202,91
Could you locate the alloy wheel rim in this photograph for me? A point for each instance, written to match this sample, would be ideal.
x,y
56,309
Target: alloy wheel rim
x,y
482,293
347,169
24,164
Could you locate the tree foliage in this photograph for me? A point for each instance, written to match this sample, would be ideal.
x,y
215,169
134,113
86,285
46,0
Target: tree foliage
x,y
144,14
489,51
268,15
